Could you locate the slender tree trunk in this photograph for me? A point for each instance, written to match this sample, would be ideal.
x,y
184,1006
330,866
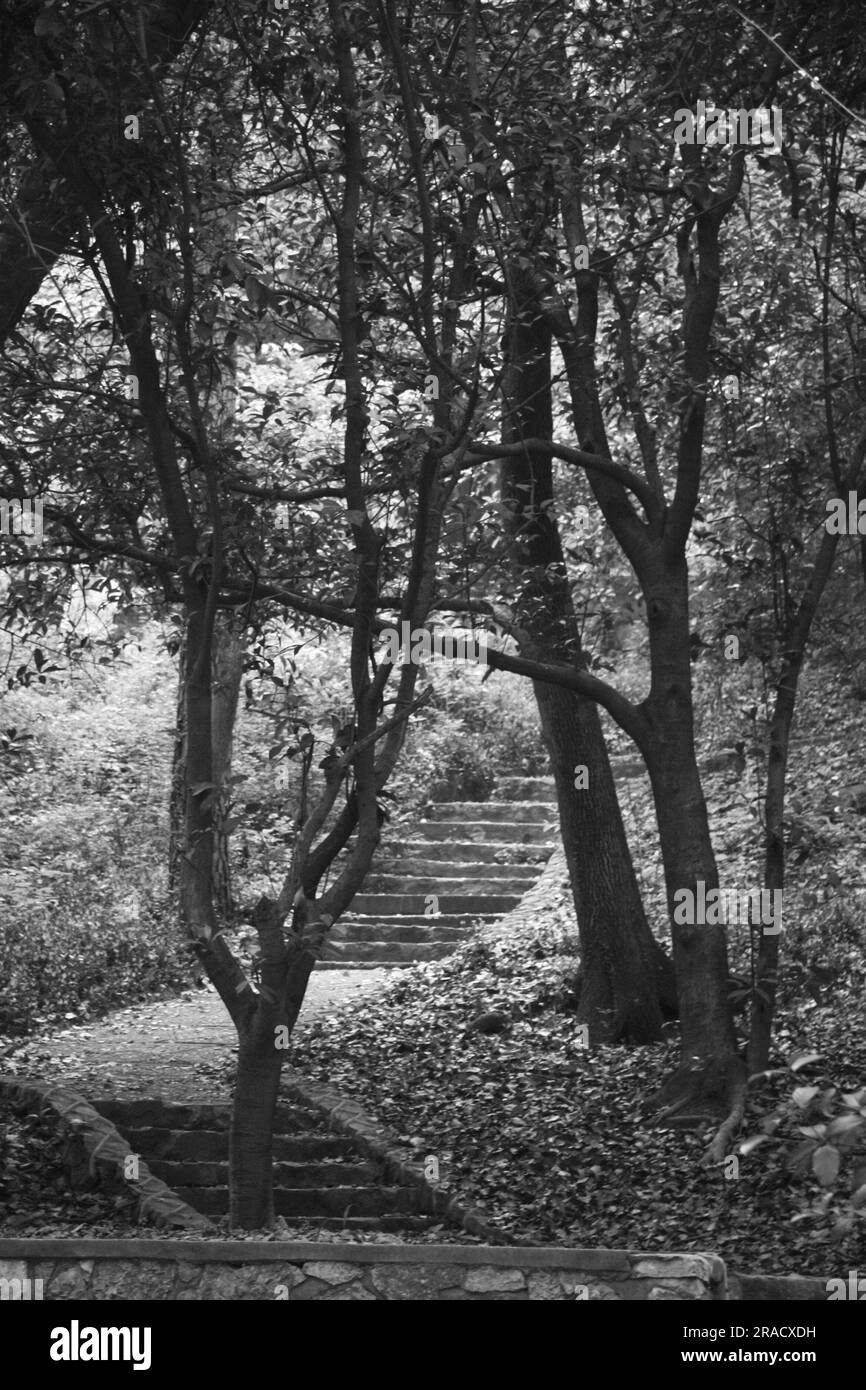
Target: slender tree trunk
x,y
177,794
767,963
626,983
228,670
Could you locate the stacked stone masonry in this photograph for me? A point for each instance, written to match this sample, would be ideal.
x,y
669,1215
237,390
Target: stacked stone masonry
x,y
176,1271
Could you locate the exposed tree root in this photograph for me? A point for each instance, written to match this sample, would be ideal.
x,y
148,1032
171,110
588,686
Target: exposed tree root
x,y
712,1091
716,1152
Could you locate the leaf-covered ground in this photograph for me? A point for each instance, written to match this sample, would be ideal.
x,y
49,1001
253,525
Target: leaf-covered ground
x,y
549,1140
35,1196
552,1141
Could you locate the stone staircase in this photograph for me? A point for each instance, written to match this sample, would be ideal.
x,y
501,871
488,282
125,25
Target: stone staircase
x,y
468,862
320,1178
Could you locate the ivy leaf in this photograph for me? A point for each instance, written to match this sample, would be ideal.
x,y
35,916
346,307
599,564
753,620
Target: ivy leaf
x,y
825,1164
843,1124
803,1059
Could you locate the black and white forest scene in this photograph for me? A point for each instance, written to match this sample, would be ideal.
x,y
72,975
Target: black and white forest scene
x,y
432,667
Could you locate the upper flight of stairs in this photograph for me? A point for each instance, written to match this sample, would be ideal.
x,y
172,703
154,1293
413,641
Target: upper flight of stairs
x,y
469,861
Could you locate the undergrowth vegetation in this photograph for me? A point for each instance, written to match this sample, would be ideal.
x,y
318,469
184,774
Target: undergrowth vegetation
x,y
83,802
88,921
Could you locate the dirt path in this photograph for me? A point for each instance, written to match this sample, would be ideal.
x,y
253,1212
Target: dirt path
x,y
175,1049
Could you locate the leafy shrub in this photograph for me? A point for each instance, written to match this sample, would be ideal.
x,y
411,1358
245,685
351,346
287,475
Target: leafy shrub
x,y
86,925
78,962
818,1132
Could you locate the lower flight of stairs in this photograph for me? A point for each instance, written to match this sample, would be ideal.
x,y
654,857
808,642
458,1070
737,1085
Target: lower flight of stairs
x,y
469,862
320,1178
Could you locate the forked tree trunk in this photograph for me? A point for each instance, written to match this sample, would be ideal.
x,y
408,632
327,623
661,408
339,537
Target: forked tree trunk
x,y
263,1035
626,983
626,986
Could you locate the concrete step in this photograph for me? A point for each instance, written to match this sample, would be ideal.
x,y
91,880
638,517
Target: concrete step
x,y
397,904
462,831
341,964
400,952
450,868
396,930
135,1115
506,854
286,1175
313,1203
526,789
510,811
321,1179
458,924
471,886
203,1145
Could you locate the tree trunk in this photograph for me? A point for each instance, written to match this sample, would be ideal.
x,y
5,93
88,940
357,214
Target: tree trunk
x,y
257,1084
625,984
710,1080
767,963
177,794
228,670
264,1030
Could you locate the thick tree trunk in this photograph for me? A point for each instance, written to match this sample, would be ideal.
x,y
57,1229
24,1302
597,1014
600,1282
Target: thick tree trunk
x,y
710,1080
710,1064
264,1031
227,672
626,986
251,1186
626,983
40,219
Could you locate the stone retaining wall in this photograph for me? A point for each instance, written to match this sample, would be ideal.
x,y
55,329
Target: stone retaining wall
x,y
94,1270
